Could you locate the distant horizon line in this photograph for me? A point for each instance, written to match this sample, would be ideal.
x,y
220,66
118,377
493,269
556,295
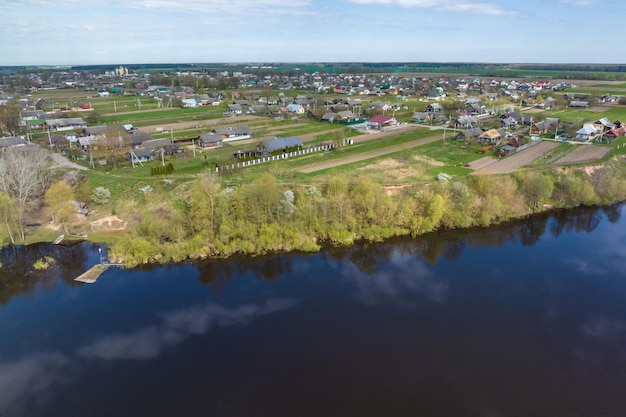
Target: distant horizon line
x,y
239,63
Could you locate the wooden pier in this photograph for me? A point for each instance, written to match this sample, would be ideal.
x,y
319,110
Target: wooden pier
x,y
92,274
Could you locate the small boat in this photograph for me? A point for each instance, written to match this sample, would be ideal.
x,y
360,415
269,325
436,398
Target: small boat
x,y
70,240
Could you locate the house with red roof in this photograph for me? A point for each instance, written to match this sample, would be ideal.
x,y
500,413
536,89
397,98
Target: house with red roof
x,y
380,121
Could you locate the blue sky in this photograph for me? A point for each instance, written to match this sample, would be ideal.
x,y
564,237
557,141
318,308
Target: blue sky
x,y
79,32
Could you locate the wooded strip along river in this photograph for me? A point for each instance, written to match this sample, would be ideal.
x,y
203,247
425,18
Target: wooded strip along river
x,y
525,319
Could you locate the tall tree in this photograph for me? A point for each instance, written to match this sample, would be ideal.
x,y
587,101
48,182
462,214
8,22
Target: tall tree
x,y
8,211
338,197
113,146
60,200
10,118
537,188
205,201
263,198
24,172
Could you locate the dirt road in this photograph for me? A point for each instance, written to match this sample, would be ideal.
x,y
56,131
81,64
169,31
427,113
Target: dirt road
x,y
368,155
177,126
61,161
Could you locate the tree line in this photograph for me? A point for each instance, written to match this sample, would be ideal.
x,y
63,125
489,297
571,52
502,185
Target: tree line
x,y
266,216
215,219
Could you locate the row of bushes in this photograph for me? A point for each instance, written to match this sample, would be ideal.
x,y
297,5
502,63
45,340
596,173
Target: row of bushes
x,y
162,170
266,216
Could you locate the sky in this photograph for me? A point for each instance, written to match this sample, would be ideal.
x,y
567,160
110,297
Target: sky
x,y
123,32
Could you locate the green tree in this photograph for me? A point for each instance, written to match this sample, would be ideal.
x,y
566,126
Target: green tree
x,y
206,202
8,214
60,201
372,204
338,199
537,188
262,199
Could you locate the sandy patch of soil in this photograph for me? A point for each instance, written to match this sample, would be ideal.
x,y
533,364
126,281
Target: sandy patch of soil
x,y
392,169
108,223
384,164
591,169
395,189
429,161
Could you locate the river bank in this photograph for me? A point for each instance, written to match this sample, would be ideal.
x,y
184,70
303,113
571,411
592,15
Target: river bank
x,y
265,217
208,218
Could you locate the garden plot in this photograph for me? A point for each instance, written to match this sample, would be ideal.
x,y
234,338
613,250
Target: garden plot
x,y
584,153
520,159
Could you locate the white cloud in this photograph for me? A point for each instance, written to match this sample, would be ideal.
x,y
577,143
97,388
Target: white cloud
x,y
239,7
579,2
444,5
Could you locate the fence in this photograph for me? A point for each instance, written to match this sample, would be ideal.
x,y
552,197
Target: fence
x,y
528,145
285,155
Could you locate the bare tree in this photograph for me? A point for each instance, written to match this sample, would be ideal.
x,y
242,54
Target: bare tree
x,y
24,174
10,118
113,146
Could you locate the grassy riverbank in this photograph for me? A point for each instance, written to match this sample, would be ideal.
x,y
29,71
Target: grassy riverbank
x,y
208,218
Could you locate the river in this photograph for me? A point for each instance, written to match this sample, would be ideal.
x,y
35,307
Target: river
x,y
524,319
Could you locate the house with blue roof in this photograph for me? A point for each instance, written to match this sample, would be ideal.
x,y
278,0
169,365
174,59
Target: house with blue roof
x,y
278,145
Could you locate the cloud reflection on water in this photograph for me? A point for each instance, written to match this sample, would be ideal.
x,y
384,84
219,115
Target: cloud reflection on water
x,y
31,377
176,326
603,328
404,278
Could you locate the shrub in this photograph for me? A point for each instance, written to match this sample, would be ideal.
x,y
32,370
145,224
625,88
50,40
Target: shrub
x,y
100,195
166,170
44,263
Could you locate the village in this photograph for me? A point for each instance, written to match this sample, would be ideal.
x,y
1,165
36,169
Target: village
x,y
504,116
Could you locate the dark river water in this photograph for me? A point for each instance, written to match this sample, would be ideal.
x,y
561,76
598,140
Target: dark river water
x,y
525,319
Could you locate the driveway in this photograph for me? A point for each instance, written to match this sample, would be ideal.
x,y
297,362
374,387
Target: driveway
x,y
62,162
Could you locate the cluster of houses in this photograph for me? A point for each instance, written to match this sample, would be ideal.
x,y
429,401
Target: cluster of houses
x,y
514,126
188,86
602,130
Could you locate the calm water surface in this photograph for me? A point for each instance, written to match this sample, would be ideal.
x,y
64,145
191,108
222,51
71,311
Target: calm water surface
x,y
527,319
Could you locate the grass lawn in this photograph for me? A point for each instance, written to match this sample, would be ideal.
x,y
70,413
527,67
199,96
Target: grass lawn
x,y
596,92
621,85
581,115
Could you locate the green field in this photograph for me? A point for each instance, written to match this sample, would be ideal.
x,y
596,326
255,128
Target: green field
x,y
621,85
